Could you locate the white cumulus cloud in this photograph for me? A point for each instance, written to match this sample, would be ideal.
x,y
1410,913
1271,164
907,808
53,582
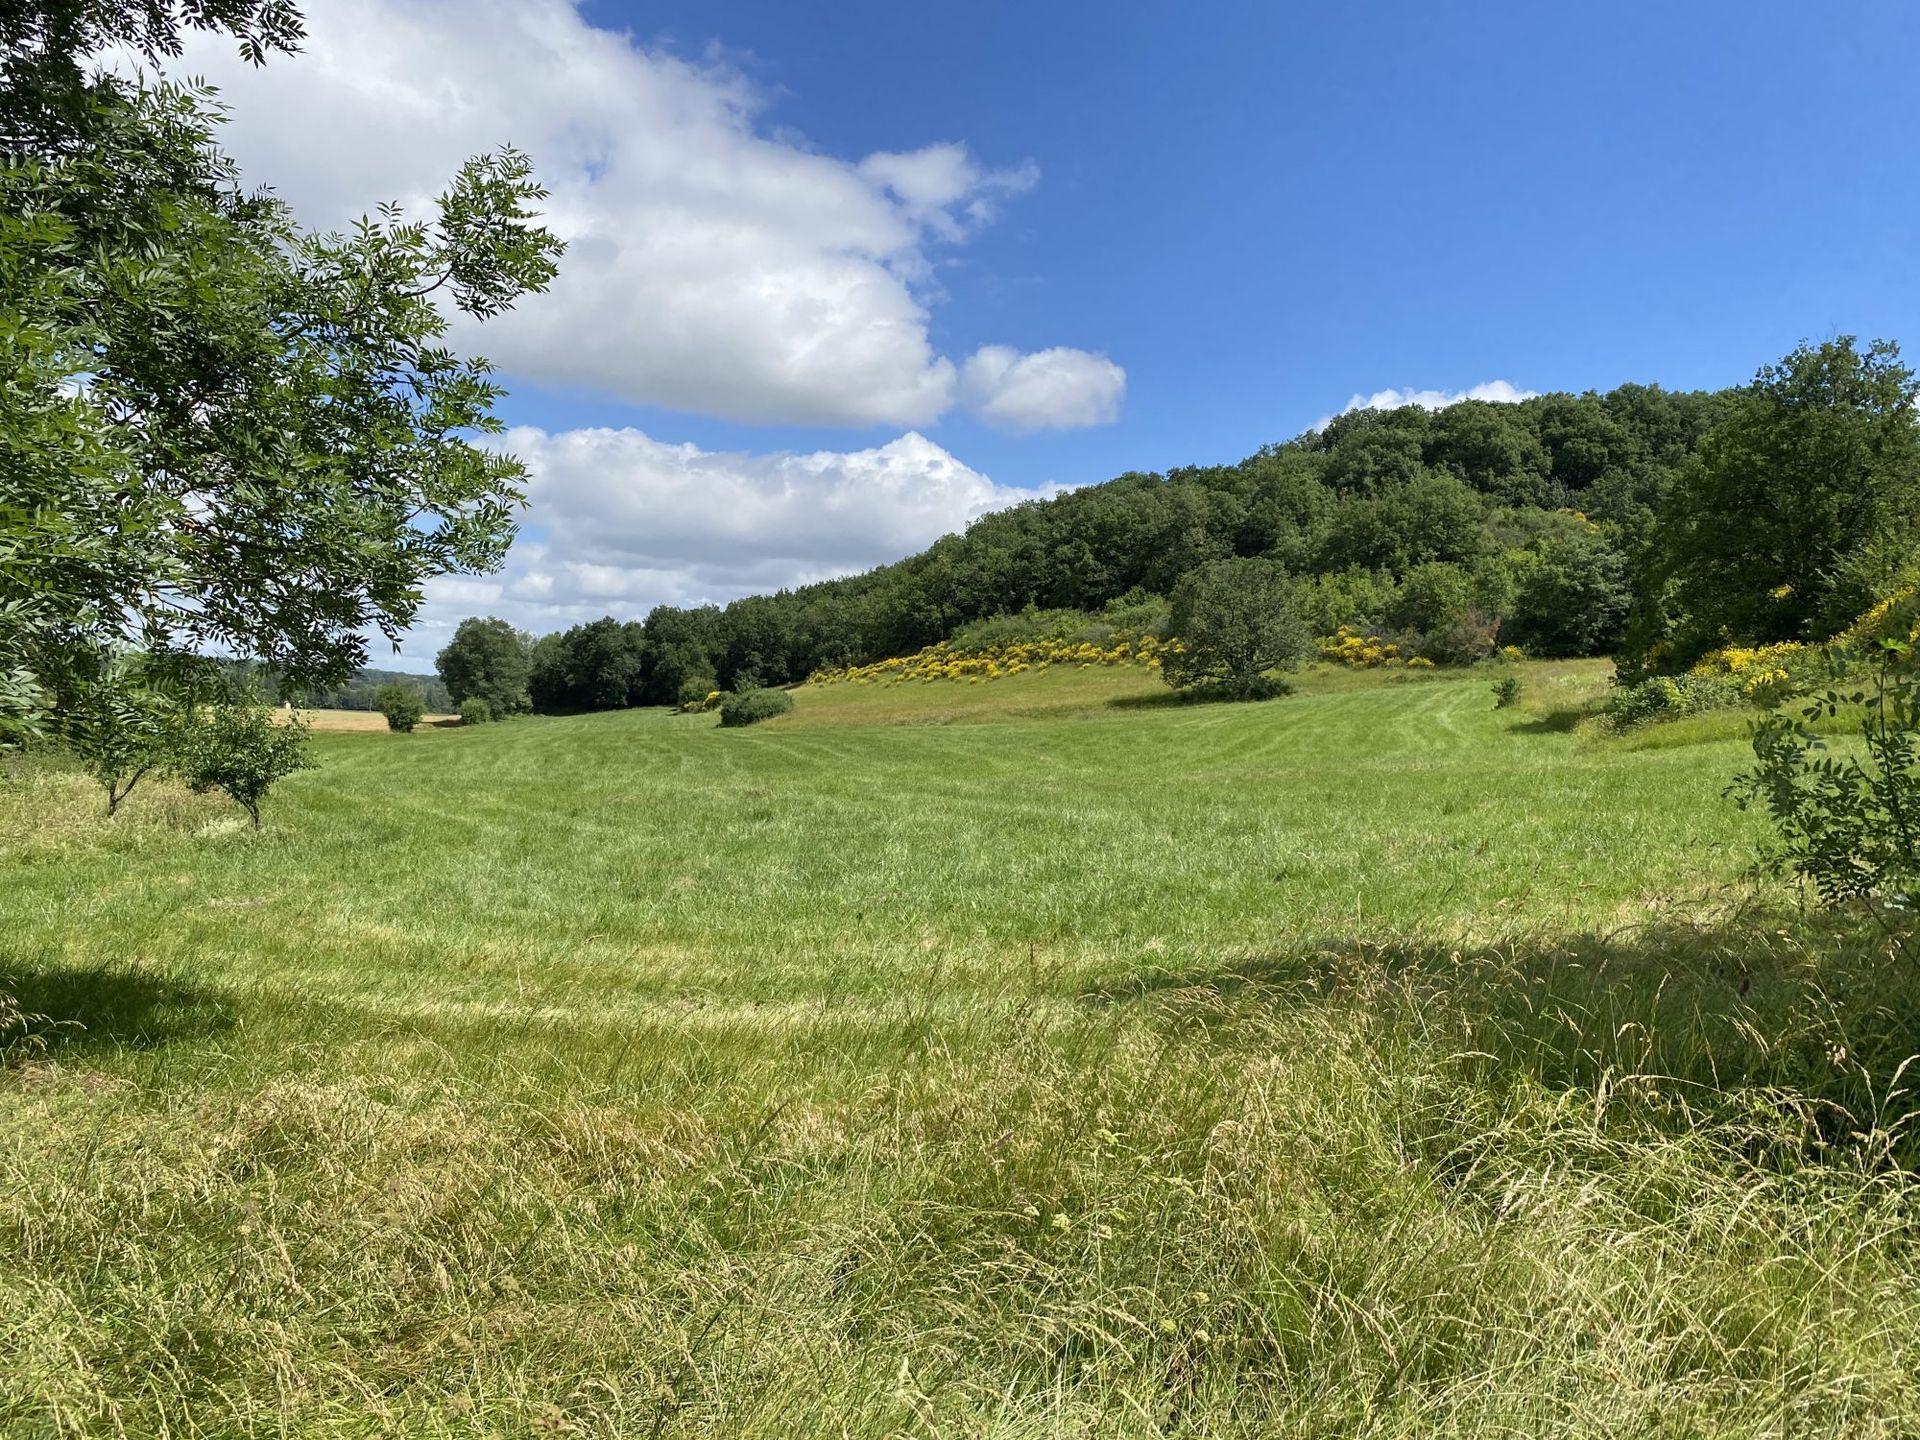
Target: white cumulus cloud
x,y
620,522
1498,392
714,266
1059,388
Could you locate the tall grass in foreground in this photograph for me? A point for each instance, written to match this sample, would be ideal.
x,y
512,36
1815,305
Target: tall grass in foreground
x,y
943,1172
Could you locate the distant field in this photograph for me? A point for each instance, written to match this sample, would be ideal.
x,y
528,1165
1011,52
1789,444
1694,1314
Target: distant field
x,y
1023,1059
350,720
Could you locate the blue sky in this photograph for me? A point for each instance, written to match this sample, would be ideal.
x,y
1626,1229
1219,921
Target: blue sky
x,y
1260,210
845,276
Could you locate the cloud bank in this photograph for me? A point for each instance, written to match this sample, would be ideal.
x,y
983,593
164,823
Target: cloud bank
x,y
715,266
625,522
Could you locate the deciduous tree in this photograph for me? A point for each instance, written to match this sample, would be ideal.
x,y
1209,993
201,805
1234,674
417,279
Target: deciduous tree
x,y
222,431
487,660
1235,620
1771,531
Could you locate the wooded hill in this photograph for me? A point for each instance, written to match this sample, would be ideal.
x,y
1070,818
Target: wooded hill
x,y
1635,521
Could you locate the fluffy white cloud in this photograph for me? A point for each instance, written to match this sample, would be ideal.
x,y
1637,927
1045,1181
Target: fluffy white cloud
x,y
713,266
1050,389
620,522
1499,392
942,188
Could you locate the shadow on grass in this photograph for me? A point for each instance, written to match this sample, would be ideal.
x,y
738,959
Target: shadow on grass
x,y
1554,722
1206,695
1818,1014
74,1010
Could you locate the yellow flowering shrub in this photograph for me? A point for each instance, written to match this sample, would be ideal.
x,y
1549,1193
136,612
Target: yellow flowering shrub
x,y
1761,671
945,661
1895,618
1362,651
1768,673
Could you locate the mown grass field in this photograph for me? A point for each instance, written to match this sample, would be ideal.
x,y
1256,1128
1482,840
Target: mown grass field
x,y
1027,1059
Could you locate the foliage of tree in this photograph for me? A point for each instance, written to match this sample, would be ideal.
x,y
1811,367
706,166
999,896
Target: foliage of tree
x,y
1571,594
596,666
238,747
475,712
1794,512
402,706
488,660
1849,824
220,431
123,727
1235,620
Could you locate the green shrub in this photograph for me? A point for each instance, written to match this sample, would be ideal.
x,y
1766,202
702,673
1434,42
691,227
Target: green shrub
x,y
402,706
1506,692
1019,628
238,749
1126,618
750,707
1668,697
1356,598
475,712
1436,601
1463,639
698,693
1849,825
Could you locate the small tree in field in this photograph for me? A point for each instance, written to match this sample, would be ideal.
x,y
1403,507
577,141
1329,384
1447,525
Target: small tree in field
x,y
402,706
122,730
239,750
1235,620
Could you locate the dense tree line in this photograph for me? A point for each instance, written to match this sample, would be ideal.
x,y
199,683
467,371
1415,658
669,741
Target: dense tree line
x,y
1642,521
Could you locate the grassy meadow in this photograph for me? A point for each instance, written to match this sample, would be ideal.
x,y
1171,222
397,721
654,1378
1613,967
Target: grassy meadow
x,y
1025,1059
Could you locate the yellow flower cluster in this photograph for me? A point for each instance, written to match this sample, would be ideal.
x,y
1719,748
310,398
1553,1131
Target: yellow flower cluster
x,y
1361,651
945,662
1759,669
1895,618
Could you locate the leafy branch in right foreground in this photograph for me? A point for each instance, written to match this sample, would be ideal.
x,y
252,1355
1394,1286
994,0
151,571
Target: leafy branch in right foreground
x,y
1849,824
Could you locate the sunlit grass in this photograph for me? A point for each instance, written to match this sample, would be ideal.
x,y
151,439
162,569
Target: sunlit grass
x,y
1025,1059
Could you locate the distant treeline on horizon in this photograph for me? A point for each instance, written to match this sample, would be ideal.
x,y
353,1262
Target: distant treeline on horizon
x,y
357,692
